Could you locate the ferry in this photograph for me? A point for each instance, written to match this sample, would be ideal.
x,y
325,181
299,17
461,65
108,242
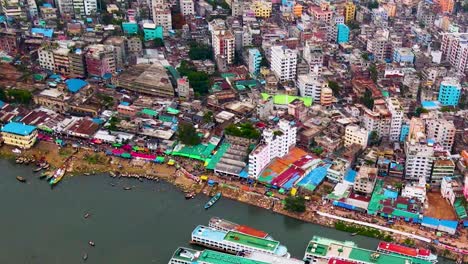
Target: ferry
x,y
235,242
226,226
419,253
57,176
213,200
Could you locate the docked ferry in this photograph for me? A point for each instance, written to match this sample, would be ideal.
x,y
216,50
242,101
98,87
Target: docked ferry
x,y
226,226
236,242
419,253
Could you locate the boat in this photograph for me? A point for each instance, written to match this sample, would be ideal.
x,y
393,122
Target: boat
x,y
86,173
226,226
45,166
353,234
19,160
49,176
85,256
87,215
20,179
37,169
44,174
213,200
190,195
417,253
91,243
58,175
127,188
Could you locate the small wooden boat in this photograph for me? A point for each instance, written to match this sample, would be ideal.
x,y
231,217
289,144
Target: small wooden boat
x,y
190,195
353,234
45,166
126,188
19,160
91,243
44,174
37,169
85,256
87,215
87,173
49,177
213,200
20,179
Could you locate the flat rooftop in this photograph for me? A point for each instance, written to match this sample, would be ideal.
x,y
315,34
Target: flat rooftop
x,y
251,241
214,257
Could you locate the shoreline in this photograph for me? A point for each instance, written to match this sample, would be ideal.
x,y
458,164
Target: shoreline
x,y
80,165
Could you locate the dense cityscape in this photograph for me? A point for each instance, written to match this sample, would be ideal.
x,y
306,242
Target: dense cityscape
x,y
347,114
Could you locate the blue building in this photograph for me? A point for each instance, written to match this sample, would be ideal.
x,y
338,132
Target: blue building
x,y
152,31
255,59
130,28
343,33
403,55
404,132
449,92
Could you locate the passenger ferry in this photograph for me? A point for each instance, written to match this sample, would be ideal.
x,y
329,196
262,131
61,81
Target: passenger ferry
x,y
419,253
190,256
236,242
226,226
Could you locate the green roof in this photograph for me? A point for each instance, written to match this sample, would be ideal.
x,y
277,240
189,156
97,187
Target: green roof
x,y
173,72
377,196
214,257
216,157
251,241
375,257
283,99
149,112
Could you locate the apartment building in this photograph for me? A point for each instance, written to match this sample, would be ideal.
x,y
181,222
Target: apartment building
x,y
356,135
349,11
455,49
187,7
311,85
100,59
449,92
19,135
223,44
46,58
284,63
396,112
255,59
365,180
262,8
442,131
419,159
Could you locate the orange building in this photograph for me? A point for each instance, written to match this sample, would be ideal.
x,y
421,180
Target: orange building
x,y
298,10
446,6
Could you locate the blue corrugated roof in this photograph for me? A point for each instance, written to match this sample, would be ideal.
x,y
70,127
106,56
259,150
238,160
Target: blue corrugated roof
x,y
18,128
74,85
125,103
2,103
430,221
390,194
350,176
47,32
465,223
449,223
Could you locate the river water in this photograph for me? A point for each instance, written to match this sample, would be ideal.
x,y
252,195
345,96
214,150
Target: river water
x,y
143,225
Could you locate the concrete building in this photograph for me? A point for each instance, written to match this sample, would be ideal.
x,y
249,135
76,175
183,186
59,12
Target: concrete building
x,y
120,50
77,63
255,59
46,58
415,191
65,7
264,108
443,167
446,6
378,120
152,31
356,135
313,54
349,11
183,89
62,60
151,79
223,44
451,188
455,49
100,59
84,7
326,97
449,92
262,8
403,55
343,34
379,45
275,143
134,45
297,109
365,180
442,131
419,159
284,63
396,111
162,17
187,7
311,85
12,9
19,135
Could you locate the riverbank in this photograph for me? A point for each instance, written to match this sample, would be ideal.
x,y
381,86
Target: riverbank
x,y
86,161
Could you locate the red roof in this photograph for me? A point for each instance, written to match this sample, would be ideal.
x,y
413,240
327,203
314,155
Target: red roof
x,y
251,231
287,175
424,252
304,160
399,249
339,261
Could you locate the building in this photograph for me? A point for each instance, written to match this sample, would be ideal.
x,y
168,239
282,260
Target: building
x,y
415,191
12,9
446,6
46,58
134,45
19,135
337,170
356,135
187,7
443,167
451,188
449,92
61,60
9,41
442,131
343,34
311,85
284,63
151,79
275,143
349,11
455,49
419,159
396,111
297,109
162,17
84,7
403,55
183,89
120,50
65,8
223,44
262,8
255,60
313,54
77,63
326,97
378,45
365,180
264,108
152,31
378,120
100,59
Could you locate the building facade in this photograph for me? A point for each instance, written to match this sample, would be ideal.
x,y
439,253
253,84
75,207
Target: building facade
x,y
356,135
284,63
19,135
255,59
449,92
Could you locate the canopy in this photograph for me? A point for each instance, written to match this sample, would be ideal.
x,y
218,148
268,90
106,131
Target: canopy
x,y
126,155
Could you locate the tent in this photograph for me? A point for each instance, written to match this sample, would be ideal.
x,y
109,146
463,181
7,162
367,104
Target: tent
x,y
171,162
126,155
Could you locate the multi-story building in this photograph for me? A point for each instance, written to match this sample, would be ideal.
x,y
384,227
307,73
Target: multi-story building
x,y
12,8
349,11
162,17
134,45
46,58
326,97
275,143
9,40
223,44
343,33
415,191
262,8
255,59
120,50
65,7
48,12
19,135
100,59
151,79
311,85
449,92
84,7
187,7
61,60
378,46
356,135
377,120
451,188
419,159
365,180
443,167
313,54
455,49
321,13
77,63
442,131
446,6
183,89
396,112
152,31
403,55
284,62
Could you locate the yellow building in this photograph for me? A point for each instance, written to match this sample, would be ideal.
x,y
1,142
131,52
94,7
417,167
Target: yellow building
x,y
349,11
19,135
391,9
262,8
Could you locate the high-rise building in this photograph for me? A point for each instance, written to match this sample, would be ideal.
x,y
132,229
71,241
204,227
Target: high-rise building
x,y
183,89
343,33
455,49
187,7
284,63
255,59
46,58
349,11
378,120
419,159
84,7
100,59
65,7
120,50
313,54
162,17
442,131
449,92
446,6
12,8
223,44
275,143
262,8
396,111
311,85
326,96
356,135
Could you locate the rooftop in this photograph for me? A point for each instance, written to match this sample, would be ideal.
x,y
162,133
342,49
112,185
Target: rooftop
x,y
214,257
251,241
18,129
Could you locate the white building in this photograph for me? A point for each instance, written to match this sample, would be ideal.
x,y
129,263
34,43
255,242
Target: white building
x,y
419,159
455,49
396,110
284,63
356,135
46,59
223,44
65,7
417,191
12,8
275,143
451,188
442,131
311,85
187,7
365,180
84,7
162,17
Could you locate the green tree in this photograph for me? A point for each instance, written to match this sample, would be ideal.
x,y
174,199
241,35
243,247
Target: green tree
x,y
295,204
365,56
208,117
367,99
336,88
199,81
187,134
199,51
318,151
373,5
3,95
419,111
158,42
373,72
185,68
19,96
353,25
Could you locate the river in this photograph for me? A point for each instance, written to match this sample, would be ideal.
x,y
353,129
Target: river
x,y
143,225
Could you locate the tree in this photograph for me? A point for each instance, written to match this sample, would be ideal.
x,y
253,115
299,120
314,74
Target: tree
x,y
367,99
200,51
318,151
365,56
208,117
336,88
185,68
373,72
158,42
373,5
353,25
199,81
295,204
419,111
374,137
187,134
19,96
